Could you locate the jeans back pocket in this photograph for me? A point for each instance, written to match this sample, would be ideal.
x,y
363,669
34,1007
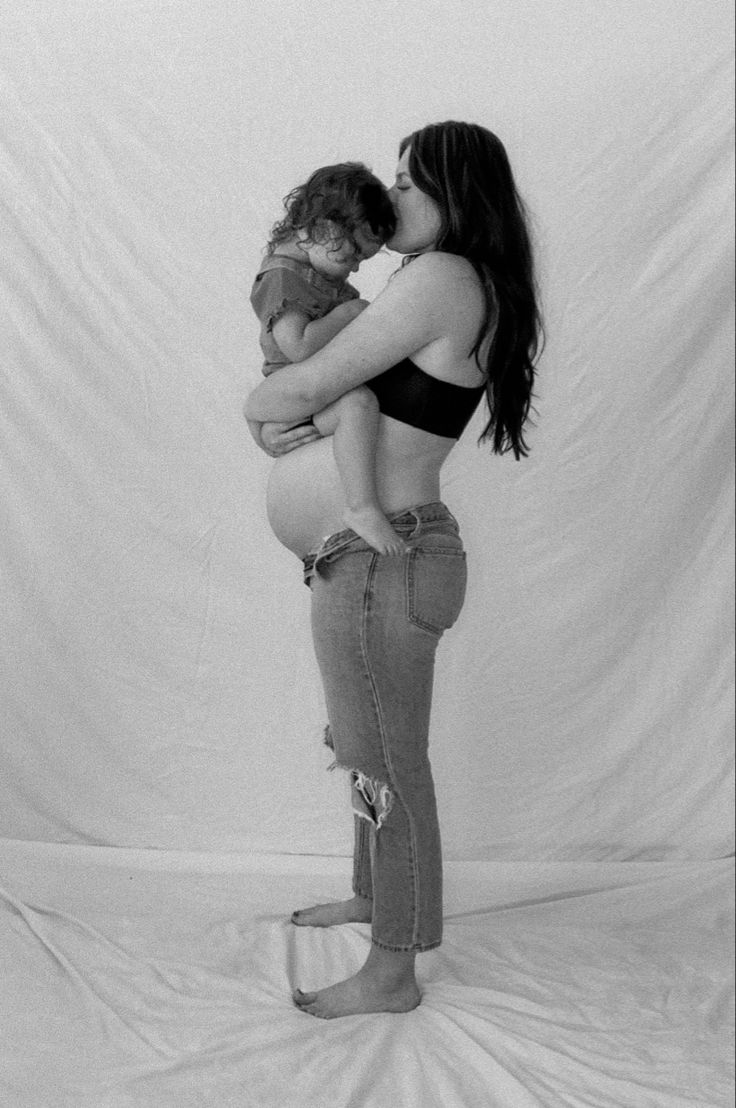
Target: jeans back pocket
x,y
436,578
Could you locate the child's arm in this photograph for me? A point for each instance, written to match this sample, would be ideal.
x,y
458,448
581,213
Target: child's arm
x,y
298,336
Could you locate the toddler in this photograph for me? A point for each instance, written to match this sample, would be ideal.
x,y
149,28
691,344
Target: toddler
x,y
340,217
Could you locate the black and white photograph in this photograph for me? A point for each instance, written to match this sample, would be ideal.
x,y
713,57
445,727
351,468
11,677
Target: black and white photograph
x,y
366,554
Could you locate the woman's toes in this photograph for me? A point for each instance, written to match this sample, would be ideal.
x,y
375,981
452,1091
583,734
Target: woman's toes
x,y
310,1003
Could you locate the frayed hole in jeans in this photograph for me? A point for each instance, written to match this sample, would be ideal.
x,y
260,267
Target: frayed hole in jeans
x,y
372,800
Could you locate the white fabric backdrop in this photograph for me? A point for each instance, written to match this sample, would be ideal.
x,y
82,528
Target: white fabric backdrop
x,y
156,681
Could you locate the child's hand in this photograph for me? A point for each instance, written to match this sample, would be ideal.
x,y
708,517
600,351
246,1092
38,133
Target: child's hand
x,y
349,310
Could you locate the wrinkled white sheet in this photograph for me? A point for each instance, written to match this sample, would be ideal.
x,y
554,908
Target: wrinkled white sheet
x,y
155,980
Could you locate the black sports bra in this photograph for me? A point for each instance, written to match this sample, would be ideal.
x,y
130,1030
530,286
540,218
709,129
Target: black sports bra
x,y
405,392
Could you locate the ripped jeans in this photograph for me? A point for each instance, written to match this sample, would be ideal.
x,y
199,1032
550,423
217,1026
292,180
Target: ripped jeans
x,y
376,623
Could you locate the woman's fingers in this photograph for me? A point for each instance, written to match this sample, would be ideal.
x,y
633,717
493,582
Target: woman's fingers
x,y
287,447
302,431
280,438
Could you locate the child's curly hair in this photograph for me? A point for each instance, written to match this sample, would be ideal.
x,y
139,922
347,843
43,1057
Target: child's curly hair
x,y
347,194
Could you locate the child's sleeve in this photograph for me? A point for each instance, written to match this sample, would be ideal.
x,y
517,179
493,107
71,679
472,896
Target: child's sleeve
x,y
279,290
349,292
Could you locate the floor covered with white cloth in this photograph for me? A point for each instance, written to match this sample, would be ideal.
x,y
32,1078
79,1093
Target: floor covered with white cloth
x,y
139,979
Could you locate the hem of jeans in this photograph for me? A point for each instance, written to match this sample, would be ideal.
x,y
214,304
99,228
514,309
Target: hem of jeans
x,y
411,948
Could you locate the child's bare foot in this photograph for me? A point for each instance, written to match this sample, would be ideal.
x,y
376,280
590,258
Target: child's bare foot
x,y
371,524
356,910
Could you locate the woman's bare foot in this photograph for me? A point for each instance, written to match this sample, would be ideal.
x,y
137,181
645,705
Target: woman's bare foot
x,y
356,910
356,997
371,524
386,983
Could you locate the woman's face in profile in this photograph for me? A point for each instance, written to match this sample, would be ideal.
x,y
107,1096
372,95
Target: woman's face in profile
x,y
418,220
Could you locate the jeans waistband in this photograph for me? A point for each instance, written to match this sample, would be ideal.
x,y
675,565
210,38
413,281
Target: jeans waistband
x,y
409,523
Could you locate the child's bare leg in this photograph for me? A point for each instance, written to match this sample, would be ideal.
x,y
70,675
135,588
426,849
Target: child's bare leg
x,y
352,420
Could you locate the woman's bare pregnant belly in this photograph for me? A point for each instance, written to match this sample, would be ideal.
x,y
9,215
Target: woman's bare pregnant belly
x,y
305,501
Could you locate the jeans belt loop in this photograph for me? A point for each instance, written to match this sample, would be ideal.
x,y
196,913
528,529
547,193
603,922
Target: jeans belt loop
x,y
417,526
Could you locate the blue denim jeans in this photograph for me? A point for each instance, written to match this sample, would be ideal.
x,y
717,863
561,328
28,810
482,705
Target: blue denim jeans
x,y
376,622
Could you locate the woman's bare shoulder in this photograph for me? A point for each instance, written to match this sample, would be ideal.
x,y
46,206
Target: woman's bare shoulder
x,y
438,264
447,276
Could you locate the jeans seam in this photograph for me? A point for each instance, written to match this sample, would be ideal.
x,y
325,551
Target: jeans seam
x,y
384,748
360,832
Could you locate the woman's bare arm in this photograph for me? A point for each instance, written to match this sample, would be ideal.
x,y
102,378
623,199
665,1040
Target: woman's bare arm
x,y
419,305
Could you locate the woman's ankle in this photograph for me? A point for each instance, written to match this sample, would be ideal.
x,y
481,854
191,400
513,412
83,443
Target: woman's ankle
x,y
390,965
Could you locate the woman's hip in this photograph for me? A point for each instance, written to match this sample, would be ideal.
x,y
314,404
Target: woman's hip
x,y
376,622
377,619
430,576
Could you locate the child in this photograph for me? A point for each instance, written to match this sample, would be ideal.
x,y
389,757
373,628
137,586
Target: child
x,y
340,217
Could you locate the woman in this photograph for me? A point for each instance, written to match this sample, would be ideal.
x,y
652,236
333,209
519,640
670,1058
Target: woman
x,y
458,322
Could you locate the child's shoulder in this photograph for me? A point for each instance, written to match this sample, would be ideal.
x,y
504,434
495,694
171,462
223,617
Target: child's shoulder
x,y
281,281
285,261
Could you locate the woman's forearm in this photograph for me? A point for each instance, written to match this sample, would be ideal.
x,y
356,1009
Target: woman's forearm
x,y
282,396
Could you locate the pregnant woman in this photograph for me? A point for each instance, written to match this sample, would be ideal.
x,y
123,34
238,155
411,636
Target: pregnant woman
x,y
458,322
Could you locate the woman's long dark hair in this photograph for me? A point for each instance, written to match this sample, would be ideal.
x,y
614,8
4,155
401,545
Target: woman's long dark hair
x,y
465,170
